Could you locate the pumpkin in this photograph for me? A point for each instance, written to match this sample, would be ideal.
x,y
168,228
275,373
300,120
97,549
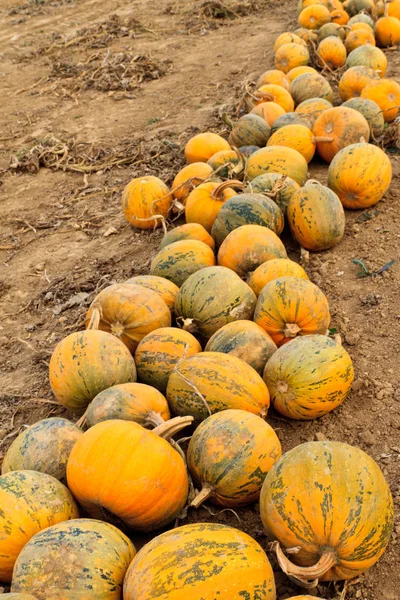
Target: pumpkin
x,y
354,80
302,4
250,130
208,559
278,159
331,29
129,312
360,37
339,127
226,163
211,381
275,93
354,7
368,56
387,31
298,137
74,561
44,447
312,108
291,118
146,202
386,94
286,38
204,202
247,151
277,187
361,18
163,287
245,340
272,269
393,8
211,298
316,217
331,53
308,35
293,73
309,377
130,402
364,26
360,175
188,231
247,247
340,17
291,306
310,85
188,177
29,502
179,260
159,352
318,484
269,111
130,471
229,455
289,56
246,209
84,364
202,146
274,75
371,111
313,17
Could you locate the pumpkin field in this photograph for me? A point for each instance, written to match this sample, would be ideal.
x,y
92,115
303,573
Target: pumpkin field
x,y
199,299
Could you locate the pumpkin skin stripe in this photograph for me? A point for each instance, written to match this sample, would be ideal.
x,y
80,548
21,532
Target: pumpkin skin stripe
x,y
188,231
309,377
97,555
223,380
278,159
323,495
164,288
29,502
202,561
232,452
272,269
179,260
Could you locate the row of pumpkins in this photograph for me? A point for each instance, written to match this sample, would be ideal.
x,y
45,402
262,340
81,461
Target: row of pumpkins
x,y
214,339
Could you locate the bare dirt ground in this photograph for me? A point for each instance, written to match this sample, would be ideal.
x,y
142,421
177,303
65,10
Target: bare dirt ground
x,y
103,98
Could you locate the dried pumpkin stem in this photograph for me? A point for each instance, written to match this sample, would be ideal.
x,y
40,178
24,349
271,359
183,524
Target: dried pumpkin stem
x,y
291,330
94,319
264,412
154,218
306,577
154,418
217,194
82,422
205,492
169,428
322,138
187,324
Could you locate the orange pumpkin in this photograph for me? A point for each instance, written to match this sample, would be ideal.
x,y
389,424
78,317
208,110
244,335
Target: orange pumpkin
x,y
29,502
340,16
354,80
331,53
286,38
386,94
339,127
312,108
360,175
146,202
98,556
179,260
298,508
204,202
275,76
130,471
313,17
275,93
86,363
269,111
163,287
159,352
291,306
43,447
188,231
393,8
278,159
202,146
247,247
361,25
245,340
298,137
224,453
199,558
189,177
302,4
273,269
293,73
289,56
357,38
387,31
130,402
211,382
310,85
368,56
316,217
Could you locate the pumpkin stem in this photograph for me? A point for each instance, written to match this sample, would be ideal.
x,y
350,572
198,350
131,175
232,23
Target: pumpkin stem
x,y
152,218
312,182
305,577
154,418
321,138
169,428
82,422
264,412
187,324
206,491
94,319
217,194
291,330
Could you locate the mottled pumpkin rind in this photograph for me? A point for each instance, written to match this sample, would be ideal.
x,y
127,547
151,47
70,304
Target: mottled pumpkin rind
x,y
278,159
188,231
273,269
143,198
179,260
164,288
282,188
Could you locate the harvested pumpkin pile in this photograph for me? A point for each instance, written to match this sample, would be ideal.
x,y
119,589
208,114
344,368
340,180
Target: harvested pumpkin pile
x,y
170,382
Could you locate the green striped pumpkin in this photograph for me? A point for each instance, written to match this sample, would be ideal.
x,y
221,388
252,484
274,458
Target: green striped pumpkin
x,y
179,260
250,130
280,188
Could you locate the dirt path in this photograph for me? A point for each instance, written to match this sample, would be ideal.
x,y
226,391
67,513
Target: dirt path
x,y
56,250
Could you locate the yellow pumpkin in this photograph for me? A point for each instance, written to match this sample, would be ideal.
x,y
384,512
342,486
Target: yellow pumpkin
x,y
386,94
289,56
278,159
163,287
293,73
393,8
269,111
354,80
287,38
276,93
331,53
274,76
202,146
359,37
298,137
146,202
313,17
189,177
272,269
